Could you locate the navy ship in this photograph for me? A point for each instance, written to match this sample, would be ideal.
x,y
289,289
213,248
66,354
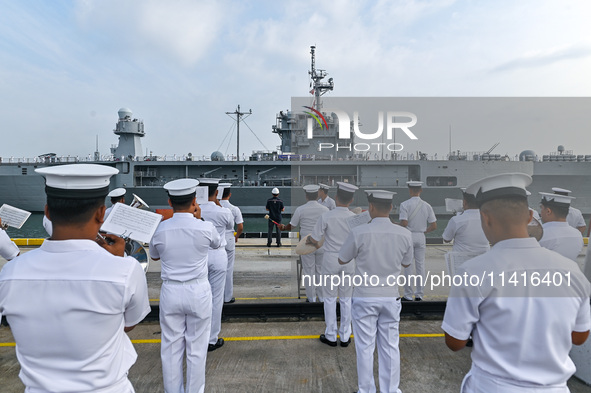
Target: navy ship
x,y
298,162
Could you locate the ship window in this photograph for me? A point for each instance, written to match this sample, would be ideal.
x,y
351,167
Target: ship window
x,y
442,181
24,171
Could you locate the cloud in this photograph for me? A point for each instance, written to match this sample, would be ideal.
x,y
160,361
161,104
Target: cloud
x,y
544,58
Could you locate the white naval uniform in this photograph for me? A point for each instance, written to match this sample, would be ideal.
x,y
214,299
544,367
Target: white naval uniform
x,y
562,238
305,217
231,248
223,221
466,231
575,218
182,244
108,211
417,225
328,202
67,303
380,248
333,226
522,333
8,250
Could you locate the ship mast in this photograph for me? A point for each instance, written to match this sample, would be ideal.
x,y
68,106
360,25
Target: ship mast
x,y
319,88
239,116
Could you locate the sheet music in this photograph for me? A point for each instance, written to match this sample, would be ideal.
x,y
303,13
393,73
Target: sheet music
x,y
201,193
12,216
453,260
127,221
453,205
358,219
220,192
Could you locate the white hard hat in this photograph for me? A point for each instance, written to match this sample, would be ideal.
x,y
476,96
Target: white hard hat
x,y
275,191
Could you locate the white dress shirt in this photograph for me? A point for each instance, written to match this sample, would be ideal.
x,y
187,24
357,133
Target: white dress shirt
x,y
466,231
562,238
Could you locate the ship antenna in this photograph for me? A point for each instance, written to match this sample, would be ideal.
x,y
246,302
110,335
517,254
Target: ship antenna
x,y
319,88
239,116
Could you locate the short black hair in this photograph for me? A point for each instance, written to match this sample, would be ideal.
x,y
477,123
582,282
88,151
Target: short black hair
x,y
559,211
181,202
227,191
114,200
311,196
471,201
344,196
382,206
211,188
65,211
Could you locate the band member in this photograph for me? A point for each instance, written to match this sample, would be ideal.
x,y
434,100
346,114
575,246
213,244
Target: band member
x,y
231,239
558,235
333,226
465,229
522,331
70,302
305,217
182,243
8,250
117,196
380,249
324,199
575,217
223,221
417,215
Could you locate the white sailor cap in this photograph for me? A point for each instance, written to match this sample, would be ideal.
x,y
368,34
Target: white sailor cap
x,y
414,183
77,181
561,191
225,185
347,187
275,191
556,199
117,193
527,193
379,195
181,187
311,188
323,186
500,186
209,181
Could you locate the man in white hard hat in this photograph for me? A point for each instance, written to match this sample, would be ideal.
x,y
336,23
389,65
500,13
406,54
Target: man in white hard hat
x,y
117,196
324,199
78,291
523,329
380,249
275,207
575,217
182,244
558,235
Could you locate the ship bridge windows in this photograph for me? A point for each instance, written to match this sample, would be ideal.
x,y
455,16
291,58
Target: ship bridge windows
x,y
442,181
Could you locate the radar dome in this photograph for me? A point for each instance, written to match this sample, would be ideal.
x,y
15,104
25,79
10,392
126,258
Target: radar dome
x,y
560,149
124,112
217,156
524,155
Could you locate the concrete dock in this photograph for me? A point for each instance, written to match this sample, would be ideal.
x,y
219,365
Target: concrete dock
x,y
286,356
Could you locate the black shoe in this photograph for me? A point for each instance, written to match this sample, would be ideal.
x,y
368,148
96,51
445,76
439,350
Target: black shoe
x,y
268,244
279,245
345,344
230,301
219,343
405,300
326,341
418,299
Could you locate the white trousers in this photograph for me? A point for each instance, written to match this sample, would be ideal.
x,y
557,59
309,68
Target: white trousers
x,y
479,381
312,267
419,246
185,320
330,266
231,252
377,319
217,264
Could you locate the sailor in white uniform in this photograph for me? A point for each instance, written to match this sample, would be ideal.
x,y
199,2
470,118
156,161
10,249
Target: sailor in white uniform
x,y
70,302
465,229
558,235
305,217
224,194
418,217
117,196
380,249
182,244
324,199
575,217
223,221
333,226
522,331
8,250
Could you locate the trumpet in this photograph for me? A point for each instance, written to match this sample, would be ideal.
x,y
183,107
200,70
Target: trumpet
x,y
138,202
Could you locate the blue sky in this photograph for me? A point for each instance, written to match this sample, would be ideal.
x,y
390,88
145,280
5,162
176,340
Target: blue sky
x,y
66,67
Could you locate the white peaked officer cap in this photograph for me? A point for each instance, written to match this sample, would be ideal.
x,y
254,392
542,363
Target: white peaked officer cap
x,y
181,187
323,186
380,196
414,183
118,192
77,181
311,188
347,187
208,181
561,191
500,186
275,191
556,199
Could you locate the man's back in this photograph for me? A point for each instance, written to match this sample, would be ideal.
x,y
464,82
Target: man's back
x,y
466,232
333,226
275,207
82,297
562,238
306,216
418,213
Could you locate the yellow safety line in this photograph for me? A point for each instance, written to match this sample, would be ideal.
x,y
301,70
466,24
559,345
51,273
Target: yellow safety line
x,y
251,298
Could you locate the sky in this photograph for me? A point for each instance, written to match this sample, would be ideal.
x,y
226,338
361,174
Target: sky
x,y
66,67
